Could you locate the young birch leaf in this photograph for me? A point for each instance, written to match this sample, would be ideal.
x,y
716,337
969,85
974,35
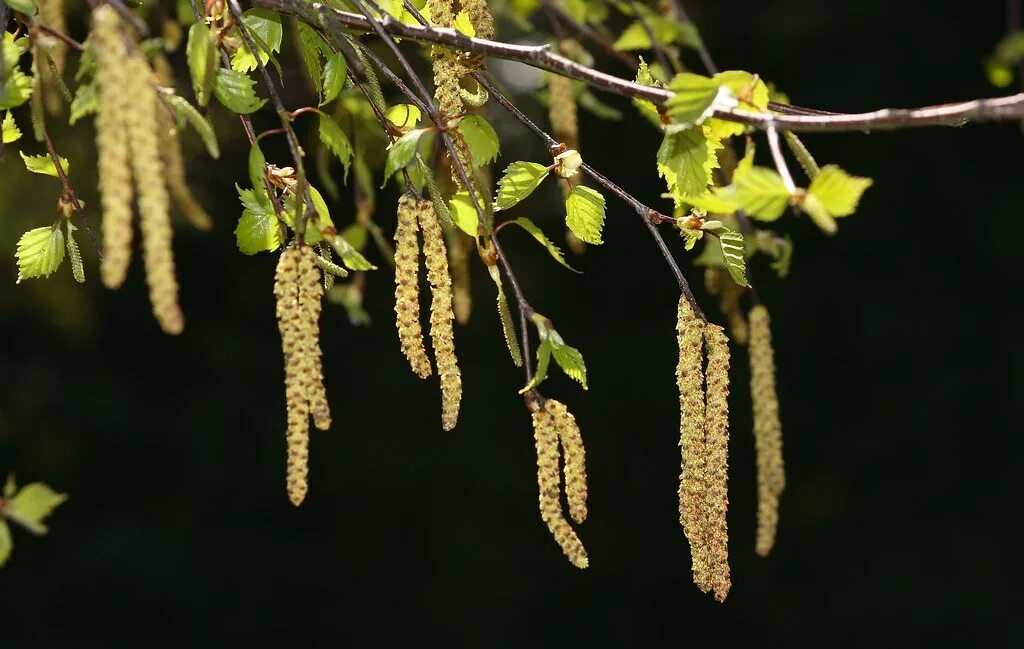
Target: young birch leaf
x,y
635,36
760,193
9,131
201,53
732,252
686,158
40,252
518,181
569,359
33,504
264,27
27,7
310,43
463,213
403,116
186,111
694,100
402,152
815,208
838,191
349,255
257,229
334,77
336,141
85,102
552,249
480,138
751,94
235,90
43,164
258,174
543,360
6,544
584,213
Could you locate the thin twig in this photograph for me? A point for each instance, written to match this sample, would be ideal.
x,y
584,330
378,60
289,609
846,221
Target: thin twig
x,y
705,56
656,45
69,191
780,160
586,31
72,43
1010,108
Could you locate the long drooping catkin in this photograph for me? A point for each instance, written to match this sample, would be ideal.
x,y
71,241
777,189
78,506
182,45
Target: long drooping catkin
x,y
771,475
575,457
717,458
441,314
51,13
692,478
546,437
407,291
447,70
115,179
562,110
311,292
154,204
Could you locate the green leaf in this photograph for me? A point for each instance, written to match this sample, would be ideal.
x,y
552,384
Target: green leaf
x,y
336,141
838,191
552,249
686,158
6,544
732,252
27,7
517,182
402,152
9,131
257,229
188,112
334,77
543,361
323,215
403,116
43,164
264,27
10,487
85,102
645,78
463,213
235,90
635,37
201,52
18,87
815,208
258,174
480,138
40,252
760,193
694,100
751,94
310,47
33,504
584,213
349,255
568,358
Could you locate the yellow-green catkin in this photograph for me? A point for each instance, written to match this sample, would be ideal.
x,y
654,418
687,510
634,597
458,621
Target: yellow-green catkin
x,y
154,203
407,291
546,436
717,458
113,166
441,314
447,71
575,458
51,13
458,260
75,255
692,477
771,475
311,292
483,24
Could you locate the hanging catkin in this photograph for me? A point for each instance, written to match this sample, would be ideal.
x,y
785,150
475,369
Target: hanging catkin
x,y
575,457
717,458
546,433
441,314
51,13
771,476
298,292
447,70
154,203
692,479
112,78
407,291
483,24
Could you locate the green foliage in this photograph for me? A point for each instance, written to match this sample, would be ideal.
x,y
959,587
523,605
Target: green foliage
x,y
27,7
566,357
838,191
187,112
257,228
517,182
201,53
686,158
759,192
85,102
40,252
542,238
9,131
336,141
481,140
694,100
264,27
403,116
28,508
584,213
463,213
236,91
402,152
1009,53
334,77
43,164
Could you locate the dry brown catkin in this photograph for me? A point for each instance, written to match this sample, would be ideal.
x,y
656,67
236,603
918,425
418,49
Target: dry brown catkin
x,y
692,478
545,435
717,456
407,292
575,458
441,315
154,203
113,166
771,476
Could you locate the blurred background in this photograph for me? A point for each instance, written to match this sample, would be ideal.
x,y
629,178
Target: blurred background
x,y
899,376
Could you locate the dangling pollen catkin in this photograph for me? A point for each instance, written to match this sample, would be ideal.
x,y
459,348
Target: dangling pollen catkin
x,y
575,457
546,437
154,204
717,459
407,287
114,169
441,315
690,379
311,292
290,324
771,475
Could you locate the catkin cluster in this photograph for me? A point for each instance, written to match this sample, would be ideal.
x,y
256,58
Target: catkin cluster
x,y
449,69
771,476
413,213
127,139
554,427
704,439
298,291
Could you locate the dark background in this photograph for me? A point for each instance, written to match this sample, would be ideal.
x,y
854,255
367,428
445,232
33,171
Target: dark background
x,y
898,354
